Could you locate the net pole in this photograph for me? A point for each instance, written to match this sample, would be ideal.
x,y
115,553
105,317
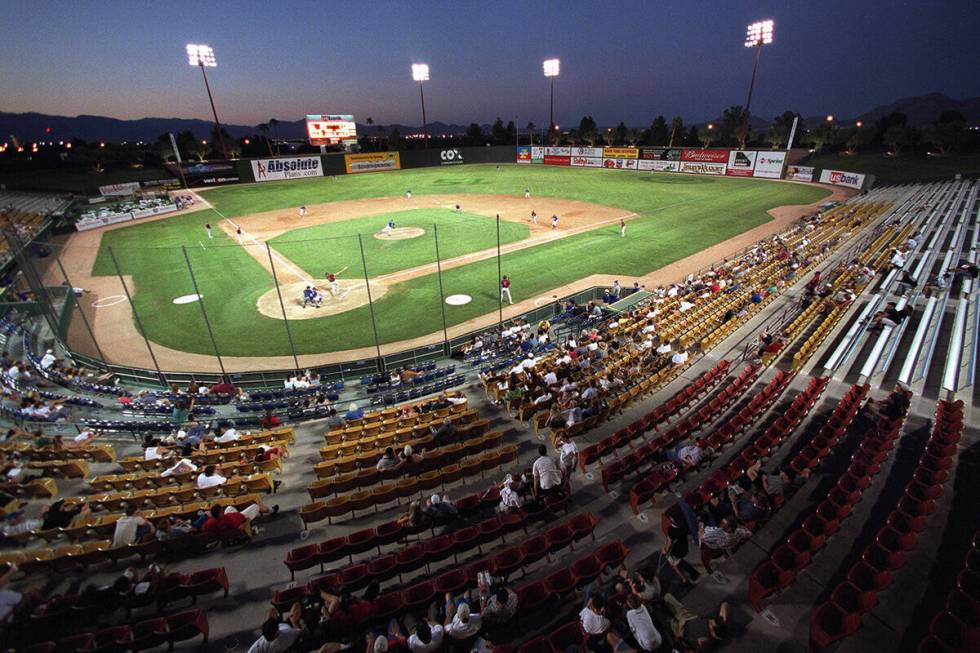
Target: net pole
x,y
442,298
88,325
204,313
139,322
282,305
374,324
500,294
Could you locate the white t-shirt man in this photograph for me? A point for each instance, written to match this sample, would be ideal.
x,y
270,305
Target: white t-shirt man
x,y
664,348
646,634
679,358
593,623
458,629
418,646
546,472
184,464
286,638
125,532
47,360
151,453
551,378
229,435
205,481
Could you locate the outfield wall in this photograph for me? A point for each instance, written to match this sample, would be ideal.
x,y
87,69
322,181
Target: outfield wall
x,y
339,163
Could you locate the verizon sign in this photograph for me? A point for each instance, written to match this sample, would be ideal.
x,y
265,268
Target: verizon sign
x,y
841,178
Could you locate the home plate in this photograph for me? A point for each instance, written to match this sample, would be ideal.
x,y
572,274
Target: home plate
x,y
186,299
458,300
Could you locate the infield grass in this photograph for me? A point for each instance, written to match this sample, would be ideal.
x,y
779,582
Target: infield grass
x,y
678,215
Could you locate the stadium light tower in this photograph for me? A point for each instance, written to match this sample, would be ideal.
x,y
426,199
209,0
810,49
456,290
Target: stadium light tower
x,y
551,69
420,73
203,56
757,34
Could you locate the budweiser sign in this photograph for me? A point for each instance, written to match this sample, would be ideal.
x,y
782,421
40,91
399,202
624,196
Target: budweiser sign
x,y
705,156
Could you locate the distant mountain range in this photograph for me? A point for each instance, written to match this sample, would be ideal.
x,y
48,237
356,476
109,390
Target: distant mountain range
x,y
32,127
921,110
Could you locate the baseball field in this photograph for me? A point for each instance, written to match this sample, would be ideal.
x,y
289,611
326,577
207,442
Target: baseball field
x,y
668,217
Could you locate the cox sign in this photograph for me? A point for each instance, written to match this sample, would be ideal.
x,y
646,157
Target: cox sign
x,y
450,157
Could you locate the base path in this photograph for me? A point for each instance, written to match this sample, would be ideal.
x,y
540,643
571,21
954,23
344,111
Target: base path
x,y
122,344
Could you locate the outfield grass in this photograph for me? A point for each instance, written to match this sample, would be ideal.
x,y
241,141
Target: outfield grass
x,y
678,216
334,246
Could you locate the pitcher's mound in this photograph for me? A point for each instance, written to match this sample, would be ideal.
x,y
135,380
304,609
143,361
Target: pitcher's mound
x,y
353,294
400,233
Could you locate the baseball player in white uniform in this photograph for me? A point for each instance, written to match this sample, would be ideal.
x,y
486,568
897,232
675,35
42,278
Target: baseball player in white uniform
x,y
534,217
302,211
388,228
207,228
622,228
554,221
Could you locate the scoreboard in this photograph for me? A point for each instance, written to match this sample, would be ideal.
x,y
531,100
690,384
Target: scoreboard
x,y
330,130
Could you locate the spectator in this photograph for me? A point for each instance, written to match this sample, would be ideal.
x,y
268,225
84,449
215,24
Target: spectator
x,y
182,466
170,529
17,523
697,632
595,624
723,538
334,420
510,500
270,421
131,528
689,454
440,510
227,433
210,478
547,476
225,387
389,461
47,360
461,623
641,625
679,358
499,608
353,413
892,316
748,506
444,434
230,520
567,456
414,518
278,633
61,515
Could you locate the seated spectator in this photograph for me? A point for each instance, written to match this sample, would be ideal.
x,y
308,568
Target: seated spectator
x,y
440,510
599,637
641,625
61,515
17,523
891,316
510,500
408,456
498,608
131,528
723,538
231,521
225,387
697,632
270,421
183,466
48,360
389,461
170,529
749,506
461,623
414,518
227,433
444,434
679,358
567,455
334,420
279,632
689,454
353,413
210,478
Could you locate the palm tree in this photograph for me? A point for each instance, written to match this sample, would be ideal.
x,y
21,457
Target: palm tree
x,y
264,128
530,131
275,131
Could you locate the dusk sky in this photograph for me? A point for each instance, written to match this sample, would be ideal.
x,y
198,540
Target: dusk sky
x,y
619,60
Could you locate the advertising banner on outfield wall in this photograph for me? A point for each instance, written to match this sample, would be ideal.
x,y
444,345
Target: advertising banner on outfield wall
x,y
620,153
660,153
550,160
586,162
698,168
800,173
591,152
290,168
705,156
659,166
558,151
537,154
769,165
371,162
524,154
841,178
119,189
740,163
619,164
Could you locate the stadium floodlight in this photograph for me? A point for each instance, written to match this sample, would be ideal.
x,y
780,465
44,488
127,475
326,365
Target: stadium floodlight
x,y
858,124
202,56
830,117
551,69
420,73
757,34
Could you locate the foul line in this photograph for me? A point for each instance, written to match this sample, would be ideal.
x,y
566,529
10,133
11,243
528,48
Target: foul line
x,y
299,274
